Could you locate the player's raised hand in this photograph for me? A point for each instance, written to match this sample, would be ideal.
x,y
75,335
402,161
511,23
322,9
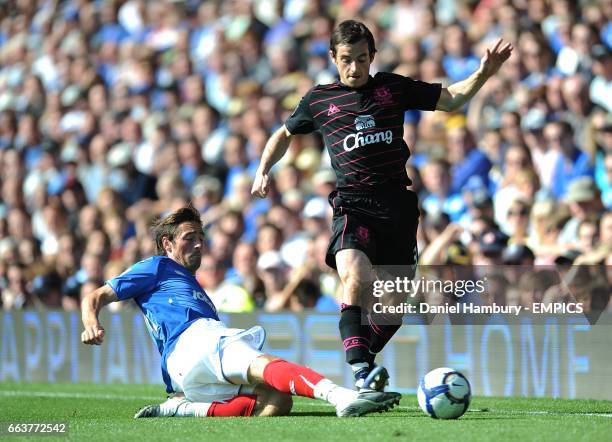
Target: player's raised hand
x,y
93,334
495,57
261,185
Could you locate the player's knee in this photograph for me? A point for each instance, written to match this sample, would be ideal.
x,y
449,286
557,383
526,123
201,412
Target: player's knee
x,y
354,270
353,283
272,402
281,404
256,369
349,276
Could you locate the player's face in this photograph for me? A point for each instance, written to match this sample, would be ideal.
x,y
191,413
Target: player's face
x,y
186,249
353,63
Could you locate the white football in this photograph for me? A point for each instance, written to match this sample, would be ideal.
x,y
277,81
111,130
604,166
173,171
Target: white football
x,y
444,393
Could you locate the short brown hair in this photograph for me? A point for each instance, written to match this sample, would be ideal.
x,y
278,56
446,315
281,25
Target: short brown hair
x,y
168,225
350,32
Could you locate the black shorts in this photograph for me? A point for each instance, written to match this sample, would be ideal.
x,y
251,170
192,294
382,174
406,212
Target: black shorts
x,y
383,225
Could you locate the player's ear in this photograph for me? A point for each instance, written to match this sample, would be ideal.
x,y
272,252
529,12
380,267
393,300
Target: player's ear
x,y
333,58
167,245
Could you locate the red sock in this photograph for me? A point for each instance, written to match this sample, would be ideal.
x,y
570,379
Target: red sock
x,y
241,405
291,378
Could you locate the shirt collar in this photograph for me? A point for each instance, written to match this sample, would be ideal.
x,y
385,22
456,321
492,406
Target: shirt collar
x,y
368,85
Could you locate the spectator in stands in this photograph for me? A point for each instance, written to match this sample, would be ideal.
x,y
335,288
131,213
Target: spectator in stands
x,y
516,159
572,162
584,201
16,294
244,273
273,272
600,91
113,113
605,229
491,245
307,296
466,159
517,226
458,62
440,197
588,234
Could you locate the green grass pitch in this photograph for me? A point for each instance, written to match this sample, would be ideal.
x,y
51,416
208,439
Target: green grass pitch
x,y
104,412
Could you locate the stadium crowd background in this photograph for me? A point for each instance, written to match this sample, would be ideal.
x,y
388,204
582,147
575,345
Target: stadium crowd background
x,y
115,112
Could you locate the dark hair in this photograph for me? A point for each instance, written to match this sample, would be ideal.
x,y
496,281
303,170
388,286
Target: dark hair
x,y
565,126
308,293
439,161
350,32
167,226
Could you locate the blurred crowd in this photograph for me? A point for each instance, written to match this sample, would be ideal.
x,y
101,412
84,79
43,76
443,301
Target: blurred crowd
x,y
115,112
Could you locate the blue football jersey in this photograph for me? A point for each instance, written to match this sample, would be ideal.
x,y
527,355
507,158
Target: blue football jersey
x,y
170,299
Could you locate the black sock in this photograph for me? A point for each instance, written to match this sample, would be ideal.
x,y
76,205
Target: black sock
x,y
355,334
383,327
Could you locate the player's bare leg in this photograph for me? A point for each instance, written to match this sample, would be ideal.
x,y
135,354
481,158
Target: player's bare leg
x,y
356,274
271,402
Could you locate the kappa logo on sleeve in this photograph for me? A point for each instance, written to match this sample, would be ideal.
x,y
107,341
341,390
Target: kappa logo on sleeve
x,y
333,109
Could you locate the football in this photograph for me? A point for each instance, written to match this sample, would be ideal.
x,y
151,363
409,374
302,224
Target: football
x,y
444,393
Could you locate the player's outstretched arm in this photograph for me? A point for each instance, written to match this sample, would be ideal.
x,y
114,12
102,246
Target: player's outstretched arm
x,y
457,94
90,307
275,148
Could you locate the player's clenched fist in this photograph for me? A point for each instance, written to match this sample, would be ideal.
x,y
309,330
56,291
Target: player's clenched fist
x,y
261,185
93,335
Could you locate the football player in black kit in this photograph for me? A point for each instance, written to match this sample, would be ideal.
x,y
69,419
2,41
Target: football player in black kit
x,y
375,217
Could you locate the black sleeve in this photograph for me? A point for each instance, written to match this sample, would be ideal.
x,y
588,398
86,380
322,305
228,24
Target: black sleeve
x,y
419,94
301,120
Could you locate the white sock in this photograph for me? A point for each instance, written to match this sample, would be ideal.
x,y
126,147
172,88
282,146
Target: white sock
x,y
193,409
328,391
185,409
358,366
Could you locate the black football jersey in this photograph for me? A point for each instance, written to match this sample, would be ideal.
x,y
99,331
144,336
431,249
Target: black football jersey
x,y
363,128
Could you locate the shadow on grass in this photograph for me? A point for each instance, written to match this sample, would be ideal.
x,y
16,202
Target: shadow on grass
x,y
462,419
586,412
311,413
487,418
329,414
392,415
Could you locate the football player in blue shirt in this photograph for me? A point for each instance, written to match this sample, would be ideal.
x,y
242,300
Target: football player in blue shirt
x,y
210,369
